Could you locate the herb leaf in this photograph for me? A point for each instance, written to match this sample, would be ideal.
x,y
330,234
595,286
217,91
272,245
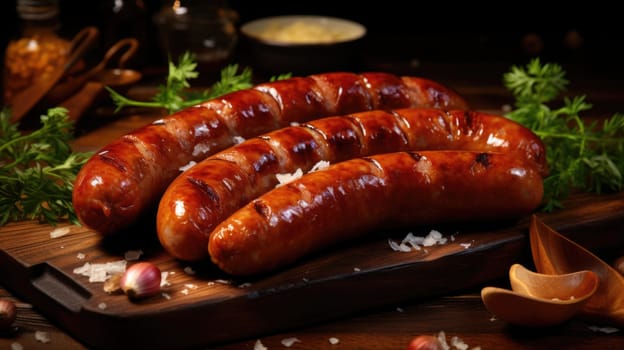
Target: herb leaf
x,y
175,95
37,170
582,156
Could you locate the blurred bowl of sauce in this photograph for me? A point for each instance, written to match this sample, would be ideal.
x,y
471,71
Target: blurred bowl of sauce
x,y
302,44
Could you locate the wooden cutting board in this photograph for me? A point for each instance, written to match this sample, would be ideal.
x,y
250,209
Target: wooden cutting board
x,y
204,307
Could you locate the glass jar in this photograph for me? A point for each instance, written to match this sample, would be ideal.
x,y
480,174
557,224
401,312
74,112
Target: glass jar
x,y
204,28
38,50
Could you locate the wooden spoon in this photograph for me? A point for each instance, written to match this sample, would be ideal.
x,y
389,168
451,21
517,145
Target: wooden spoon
x,y
100,76
23,102
124,50
556,254
540,300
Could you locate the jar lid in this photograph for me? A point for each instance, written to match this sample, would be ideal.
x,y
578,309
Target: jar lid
x,y
37,9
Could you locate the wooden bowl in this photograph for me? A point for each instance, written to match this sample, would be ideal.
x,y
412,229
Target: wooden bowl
x,y
540,300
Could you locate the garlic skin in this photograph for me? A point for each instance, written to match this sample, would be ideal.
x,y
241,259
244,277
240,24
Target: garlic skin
x,y
141,280
8,313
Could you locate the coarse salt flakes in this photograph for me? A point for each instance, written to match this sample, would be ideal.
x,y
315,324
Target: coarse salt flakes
x,y
80,256
607,330
42,337
187,166
434,237
442,340
102,306
132,255
259,346
201,148
238,139
466,245
455,342
189,270
320,165
16,346
334,340
288,342
59,232
398,247
458,343
413,242
244,285
166,295
163,279
283,179
101,272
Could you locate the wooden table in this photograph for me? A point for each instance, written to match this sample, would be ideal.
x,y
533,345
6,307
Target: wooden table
x,y
460,314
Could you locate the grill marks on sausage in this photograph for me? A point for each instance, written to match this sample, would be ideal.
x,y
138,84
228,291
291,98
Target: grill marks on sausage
x,y
112,160
389,96
338,140
292,103
197,132
205,189
344,92
416,156
247,113
483,159
296,147
424,187
262,209
335,139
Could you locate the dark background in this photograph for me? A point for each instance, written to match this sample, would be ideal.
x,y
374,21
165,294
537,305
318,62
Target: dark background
x,y
591,35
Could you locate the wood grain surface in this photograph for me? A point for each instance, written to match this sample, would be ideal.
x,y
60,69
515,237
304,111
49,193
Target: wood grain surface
x,y
362,293
340,281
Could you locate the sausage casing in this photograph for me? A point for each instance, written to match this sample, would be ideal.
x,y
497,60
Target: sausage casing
x,y
127,177
210,191
354,197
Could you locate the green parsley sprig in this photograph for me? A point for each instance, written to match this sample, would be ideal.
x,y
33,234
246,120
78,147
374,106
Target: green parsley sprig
x,y
175,95
38,169
582,156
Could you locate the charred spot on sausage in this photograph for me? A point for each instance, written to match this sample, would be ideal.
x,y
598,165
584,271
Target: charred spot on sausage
x,y
261,208
416,156
204,188
469,118
483,159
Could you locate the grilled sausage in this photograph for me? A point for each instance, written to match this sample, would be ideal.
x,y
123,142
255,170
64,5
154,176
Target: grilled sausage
x,y
210,191
354,197
126,178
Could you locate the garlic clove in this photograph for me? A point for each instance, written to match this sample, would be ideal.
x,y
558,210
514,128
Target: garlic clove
x,y
141,280
8,313
425,342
